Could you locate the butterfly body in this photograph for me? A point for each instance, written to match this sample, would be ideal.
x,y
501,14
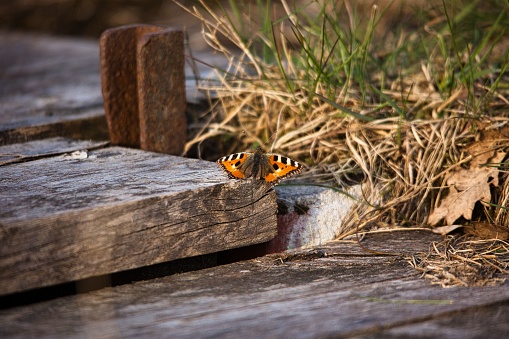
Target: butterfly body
x,y
259,166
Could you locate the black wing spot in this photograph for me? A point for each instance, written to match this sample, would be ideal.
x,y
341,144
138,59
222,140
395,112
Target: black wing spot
x,y
284,160
237,164
275,166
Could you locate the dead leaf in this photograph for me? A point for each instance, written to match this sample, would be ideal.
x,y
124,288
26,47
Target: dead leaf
x,y
482,152
466,187
486,230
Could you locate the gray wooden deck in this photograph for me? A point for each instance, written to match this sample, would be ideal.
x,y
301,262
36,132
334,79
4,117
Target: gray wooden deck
x,y
332,291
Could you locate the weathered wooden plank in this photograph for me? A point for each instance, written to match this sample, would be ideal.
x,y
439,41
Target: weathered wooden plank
x,y
84,125
63,219
49,87
487,321
42,148
332,291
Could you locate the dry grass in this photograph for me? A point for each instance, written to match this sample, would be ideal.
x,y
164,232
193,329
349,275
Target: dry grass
x,y
463,261
407,165
337,104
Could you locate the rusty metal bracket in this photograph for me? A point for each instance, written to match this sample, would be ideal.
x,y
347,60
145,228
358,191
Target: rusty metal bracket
x,y
143,86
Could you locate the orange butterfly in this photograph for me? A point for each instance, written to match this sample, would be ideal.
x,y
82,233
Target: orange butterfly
x,y
259,165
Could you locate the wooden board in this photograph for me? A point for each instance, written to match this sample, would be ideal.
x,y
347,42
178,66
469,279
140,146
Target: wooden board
x,y
336,290
49,87
68,217
44,148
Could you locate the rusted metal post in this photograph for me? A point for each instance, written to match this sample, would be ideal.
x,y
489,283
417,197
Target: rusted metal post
x,y
161,92
143,85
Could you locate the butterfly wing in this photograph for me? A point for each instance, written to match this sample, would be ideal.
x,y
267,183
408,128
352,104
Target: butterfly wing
x,y
230,164
283,167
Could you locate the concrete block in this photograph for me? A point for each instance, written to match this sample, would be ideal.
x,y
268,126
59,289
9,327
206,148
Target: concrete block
x,y
310,215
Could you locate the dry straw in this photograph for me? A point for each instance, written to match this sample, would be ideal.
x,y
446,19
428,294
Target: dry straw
x,y
460,261
401,138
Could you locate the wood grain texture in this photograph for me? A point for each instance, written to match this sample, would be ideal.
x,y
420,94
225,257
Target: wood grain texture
x,y
49,87
44,148
63,219
333,291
